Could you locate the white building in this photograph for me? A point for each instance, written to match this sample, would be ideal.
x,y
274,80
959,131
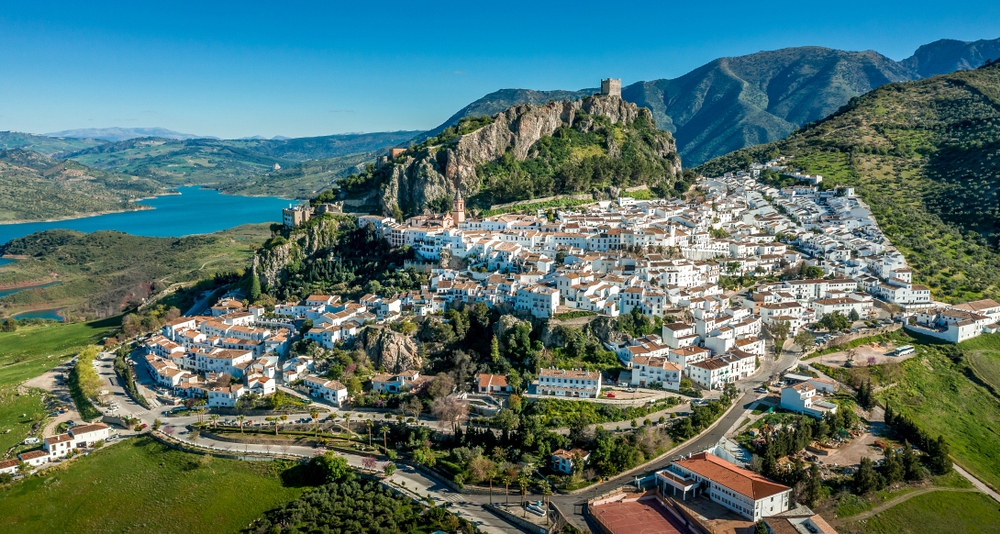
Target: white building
x,y
802,398
658,370
329,390
740,490
569,383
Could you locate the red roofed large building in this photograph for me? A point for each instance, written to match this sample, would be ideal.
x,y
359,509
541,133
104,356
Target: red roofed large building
x,y
751,495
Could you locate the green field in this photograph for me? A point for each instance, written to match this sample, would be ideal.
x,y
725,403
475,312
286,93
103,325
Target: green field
x,y
12,407
32,350
934,513
936,394
983,355
141,486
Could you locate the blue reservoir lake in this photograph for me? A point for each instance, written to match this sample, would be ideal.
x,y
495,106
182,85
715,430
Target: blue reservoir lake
x,y
193,211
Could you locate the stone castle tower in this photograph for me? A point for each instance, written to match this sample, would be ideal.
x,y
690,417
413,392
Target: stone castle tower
x,y
458,208
612,87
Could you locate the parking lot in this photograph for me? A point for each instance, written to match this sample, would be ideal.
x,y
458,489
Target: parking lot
x,y
863,355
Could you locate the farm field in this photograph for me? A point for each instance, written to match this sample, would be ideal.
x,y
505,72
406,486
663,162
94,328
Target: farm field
x,y
34,349
142,486
935,392
938,513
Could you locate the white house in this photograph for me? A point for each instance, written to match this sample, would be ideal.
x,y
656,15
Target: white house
x,y
330,390
563,460
541,301
649,370
10,466
569,383
748,494
490,383
225,397
801,398
35,458
86,435
58,446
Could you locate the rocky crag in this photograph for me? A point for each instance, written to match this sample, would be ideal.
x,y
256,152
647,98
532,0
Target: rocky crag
x,y
432,172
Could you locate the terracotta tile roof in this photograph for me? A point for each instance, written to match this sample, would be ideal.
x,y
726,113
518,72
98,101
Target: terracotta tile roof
x,y
740,480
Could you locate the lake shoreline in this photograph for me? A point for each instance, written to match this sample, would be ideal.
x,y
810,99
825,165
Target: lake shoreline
x,y
76,217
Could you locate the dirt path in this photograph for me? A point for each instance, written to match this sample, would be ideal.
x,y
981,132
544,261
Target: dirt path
x,y
902,498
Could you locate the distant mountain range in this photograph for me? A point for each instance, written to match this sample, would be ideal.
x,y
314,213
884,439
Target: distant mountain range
x,y
733,103
121,134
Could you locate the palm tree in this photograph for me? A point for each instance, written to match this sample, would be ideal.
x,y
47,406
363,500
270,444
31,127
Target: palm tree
x,y
214,418
284,417
347,421
491,474
546,492
505,478
314,413
241,418
384,430
275,421
200,403
522,480
369,424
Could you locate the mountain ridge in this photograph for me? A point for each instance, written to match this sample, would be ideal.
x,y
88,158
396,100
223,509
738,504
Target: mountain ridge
x,y
734,102
925,155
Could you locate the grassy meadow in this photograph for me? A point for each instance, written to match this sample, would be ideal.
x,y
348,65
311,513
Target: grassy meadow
x,y
937,394
933,513
34,349
141,486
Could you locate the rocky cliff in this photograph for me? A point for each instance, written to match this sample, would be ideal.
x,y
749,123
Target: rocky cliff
x,y
389,350
269,262
432,172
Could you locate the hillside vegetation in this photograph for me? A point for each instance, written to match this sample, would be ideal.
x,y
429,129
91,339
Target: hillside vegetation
x,y
525,152
735,102
926,156
44,145
34,186
243,166
105,272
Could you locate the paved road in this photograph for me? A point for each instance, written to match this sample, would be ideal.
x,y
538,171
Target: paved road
x,y
978,483
470,506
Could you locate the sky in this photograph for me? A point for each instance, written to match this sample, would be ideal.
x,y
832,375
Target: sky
x,y
297,69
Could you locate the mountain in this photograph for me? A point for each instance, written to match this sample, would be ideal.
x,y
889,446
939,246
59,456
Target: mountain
x,y
121,134
34,186
498,101
949,55
926,156
325,147
731,103
47,146
581,146
292,167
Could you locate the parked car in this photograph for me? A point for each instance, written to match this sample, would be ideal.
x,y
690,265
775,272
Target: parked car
x,y
630,390
70,423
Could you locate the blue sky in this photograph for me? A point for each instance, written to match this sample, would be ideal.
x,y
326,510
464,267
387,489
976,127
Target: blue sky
x,y
316,68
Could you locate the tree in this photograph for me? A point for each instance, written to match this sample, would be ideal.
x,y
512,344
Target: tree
x,y
389,468
892,468
760,527
814,485
314,413
441,386
353,386
937,456
866,480
480,468
241,418
413,407
911,464
8,325
330,467
779,333
805,340
253,291
854,316
451,410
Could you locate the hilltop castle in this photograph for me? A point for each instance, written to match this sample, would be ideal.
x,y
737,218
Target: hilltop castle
x,y
612,87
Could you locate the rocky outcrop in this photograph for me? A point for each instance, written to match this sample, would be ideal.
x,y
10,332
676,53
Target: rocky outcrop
x,y
437,171
269,262
606,330
389,350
